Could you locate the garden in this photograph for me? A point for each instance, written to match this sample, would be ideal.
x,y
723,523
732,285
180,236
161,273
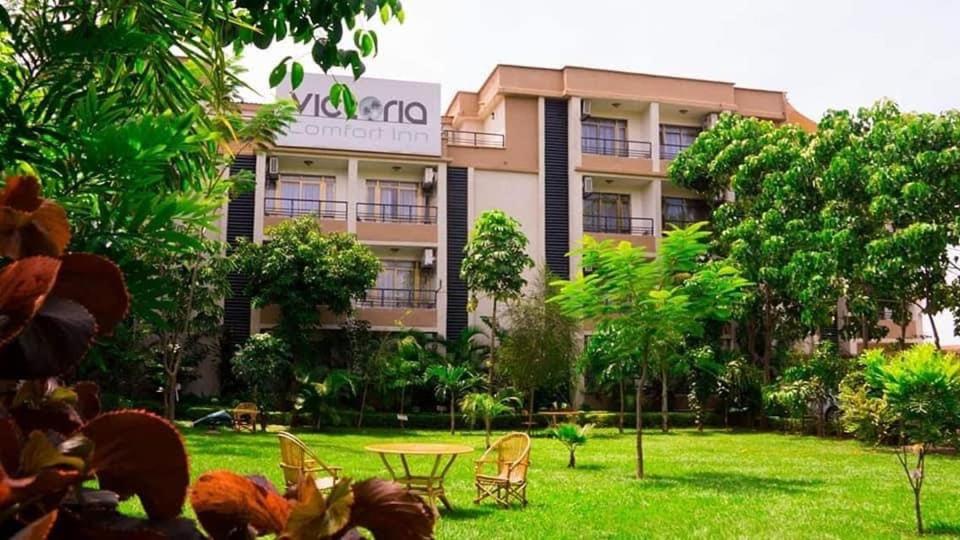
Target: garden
x,y
736,383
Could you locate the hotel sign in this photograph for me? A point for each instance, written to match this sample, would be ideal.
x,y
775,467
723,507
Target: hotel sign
x,y
392,116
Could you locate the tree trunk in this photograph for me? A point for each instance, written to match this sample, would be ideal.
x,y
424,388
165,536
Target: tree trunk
x,y
530,412
664,405
493,347
916,509
622,404
639,422
403,390
936,334
363,403
486,429
453,414
573,460
170,397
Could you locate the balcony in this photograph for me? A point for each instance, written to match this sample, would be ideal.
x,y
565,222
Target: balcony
x,y
397,223
616,155
332,215
382,308
636,230
474,139
670,150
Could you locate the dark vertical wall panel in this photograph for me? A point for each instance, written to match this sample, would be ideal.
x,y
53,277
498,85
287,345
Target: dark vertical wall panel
x,y
240,211
556,188
456,240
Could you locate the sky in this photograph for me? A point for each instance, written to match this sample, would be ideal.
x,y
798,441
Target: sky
x,y
839,54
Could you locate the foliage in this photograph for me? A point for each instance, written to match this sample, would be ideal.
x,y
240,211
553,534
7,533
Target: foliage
x,y
493,263
739,386
466,350
263,363
302,268
572,436
450,380
486,407
317,394
703,369
542,345
866,413
654,304
811,382
610,360
403,367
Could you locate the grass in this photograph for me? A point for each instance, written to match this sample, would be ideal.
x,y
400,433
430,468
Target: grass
x,y
710,485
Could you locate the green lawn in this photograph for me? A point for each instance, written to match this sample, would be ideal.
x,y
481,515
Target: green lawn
x,y
710,485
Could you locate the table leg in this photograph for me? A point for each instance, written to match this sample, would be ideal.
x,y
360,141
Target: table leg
x,y
393,475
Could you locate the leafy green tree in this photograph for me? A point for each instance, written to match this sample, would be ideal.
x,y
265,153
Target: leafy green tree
x,y
572,436
542,345
466,350
739,387
318,393
812,381
922,387
301,269
654,304
494,260
263,364
402,368
486,407
606,359
702,369
365,351
449,381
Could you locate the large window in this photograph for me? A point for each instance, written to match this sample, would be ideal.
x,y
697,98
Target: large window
x,y
301,195
604,136
680,212
674,139
399,286
606,213
393,201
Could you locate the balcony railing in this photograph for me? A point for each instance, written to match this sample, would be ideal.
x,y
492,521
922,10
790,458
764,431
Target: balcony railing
x,y
399,298
670,150
396,213
634,226
616,147
284,206
476,139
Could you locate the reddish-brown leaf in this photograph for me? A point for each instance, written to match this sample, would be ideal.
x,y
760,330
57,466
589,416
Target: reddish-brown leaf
x,y
55,341
227,503
30,225
45,488
88,399
390,512
24,285
50,416
37,530
139,453
110,525
39,453
21,193
97,284
11,441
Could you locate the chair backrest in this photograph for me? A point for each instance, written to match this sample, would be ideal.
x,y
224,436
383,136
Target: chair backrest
x,y
295,458
245,407
513,454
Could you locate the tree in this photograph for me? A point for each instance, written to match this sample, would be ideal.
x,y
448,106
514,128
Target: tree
x,y
450,380
465,349
263,364
486,407
609,363
812,381
922,387
319,390
402,368
302,269
653,304
494,260
541,347
572,436
365,355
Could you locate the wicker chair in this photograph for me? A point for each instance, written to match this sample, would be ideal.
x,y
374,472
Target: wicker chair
x,y
297,461
502,471
245,416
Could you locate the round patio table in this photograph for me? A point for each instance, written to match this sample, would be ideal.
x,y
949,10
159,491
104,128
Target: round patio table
x,y
430,484
553,416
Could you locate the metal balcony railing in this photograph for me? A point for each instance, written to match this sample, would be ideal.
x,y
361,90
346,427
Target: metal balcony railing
x,y
670,150
284,206
396,213
616,147
399,298
476,139
635,226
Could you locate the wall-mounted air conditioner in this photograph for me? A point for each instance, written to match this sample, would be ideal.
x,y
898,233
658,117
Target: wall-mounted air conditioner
x,y
429,259
584,108
273,165
587,184
429,178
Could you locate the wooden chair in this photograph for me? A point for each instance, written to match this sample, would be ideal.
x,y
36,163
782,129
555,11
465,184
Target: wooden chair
x,y
297,461
245,416
501,472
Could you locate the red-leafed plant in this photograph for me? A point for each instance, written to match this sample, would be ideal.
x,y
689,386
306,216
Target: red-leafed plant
x,y
54,439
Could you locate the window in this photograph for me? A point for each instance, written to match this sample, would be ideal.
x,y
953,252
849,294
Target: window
x,y
673,139
604,136
607,213
302,195
680,212
397,286
393,201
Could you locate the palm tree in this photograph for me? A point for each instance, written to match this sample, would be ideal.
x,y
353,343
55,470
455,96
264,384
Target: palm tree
x,y
572,436
482,405
450,380
466,350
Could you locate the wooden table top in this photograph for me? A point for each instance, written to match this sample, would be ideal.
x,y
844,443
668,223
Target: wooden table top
x,y
422,449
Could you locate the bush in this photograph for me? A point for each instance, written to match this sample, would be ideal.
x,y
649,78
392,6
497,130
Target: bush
x,y
263,364
866,413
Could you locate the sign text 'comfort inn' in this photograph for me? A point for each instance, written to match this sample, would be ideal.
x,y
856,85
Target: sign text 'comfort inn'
x,y
392,116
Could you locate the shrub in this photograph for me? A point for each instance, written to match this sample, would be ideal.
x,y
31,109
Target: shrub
x,y
572,436
263,364
866,413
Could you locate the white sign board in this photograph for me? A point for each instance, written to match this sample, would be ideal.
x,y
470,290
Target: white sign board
x,y
392,116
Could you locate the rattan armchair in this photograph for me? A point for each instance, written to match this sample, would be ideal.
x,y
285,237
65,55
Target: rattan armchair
x,y
297,462
501,472
245,416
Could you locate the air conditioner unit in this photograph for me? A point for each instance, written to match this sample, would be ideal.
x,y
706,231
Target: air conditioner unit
x,y
273,165
584,108
710,120
429,178
587,184
429,259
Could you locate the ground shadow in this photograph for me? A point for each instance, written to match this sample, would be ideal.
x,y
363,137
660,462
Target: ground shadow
x,y
937,527
590,466
733,482
463,513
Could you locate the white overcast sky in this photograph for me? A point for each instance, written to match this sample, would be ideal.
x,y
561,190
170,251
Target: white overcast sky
x,y
825,54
